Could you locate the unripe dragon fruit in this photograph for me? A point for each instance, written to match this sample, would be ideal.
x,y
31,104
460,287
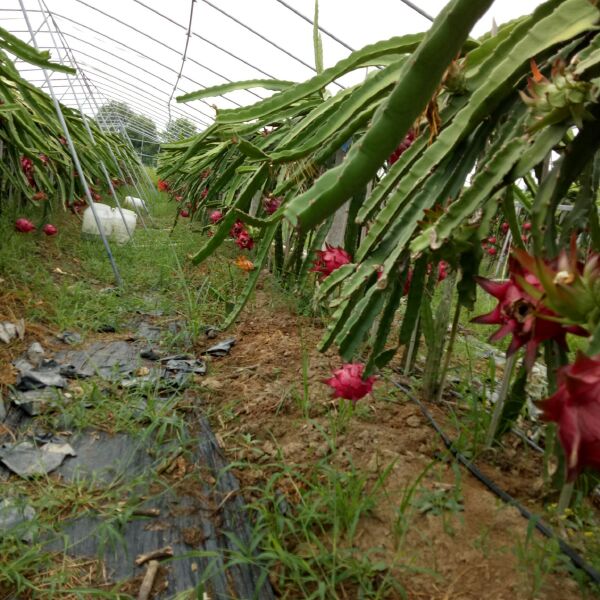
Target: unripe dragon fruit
x,y
347,382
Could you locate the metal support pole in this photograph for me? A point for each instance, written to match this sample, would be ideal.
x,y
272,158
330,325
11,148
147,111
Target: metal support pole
x,y
75,156
85,82
89,130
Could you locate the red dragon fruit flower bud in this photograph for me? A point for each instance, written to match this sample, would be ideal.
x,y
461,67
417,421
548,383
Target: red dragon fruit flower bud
x,y
347,382
272,204
245,241
24,226
215,216
49,229
575,407
329,260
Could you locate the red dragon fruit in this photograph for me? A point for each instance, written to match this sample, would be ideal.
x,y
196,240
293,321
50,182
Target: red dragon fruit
x,y
272,204
163,186
575,407
244,241
204,193
329,260
24,226
347,382
49,229
216,216
236,229
404,145
185,213
28,168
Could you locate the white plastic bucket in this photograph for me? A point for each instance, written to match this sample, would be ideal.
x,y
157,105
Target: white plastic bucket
x,y
119,230
134,202
105,216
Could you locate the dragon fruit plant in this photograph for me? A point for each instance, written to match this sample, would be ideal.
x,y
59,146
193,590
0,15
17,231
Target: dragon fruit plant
x,y
428,156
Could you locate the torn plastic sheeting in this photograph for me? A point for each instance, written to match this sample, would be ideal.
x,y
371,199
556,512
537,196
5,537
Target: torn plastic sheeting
x,y
106,458
14,514
148,332
184,364
222,348
35,402
35,354
32,378
160,378
215,518
69,337
110,360
9,331
27,460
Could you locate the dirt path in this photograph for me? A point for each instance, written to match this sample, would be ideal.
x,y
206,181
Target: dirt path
x,y
457,541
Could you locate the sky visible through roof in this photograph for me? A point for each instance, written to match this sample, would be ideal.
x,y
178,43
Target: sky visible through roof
x,y
131,50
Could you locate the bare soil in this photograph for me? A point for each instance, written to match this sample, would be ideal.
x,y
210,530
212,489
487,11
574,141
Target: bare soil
x,y
468,554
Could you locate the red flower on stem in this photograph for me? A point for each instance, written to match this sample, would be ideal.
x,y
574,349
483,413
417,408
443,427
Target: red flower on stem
x,y
329,260
528,321
347,382
575,407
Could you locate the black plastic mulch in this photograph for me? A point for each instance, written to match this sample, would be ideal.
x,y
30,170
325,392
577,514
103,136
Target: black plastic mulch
x,y
203,516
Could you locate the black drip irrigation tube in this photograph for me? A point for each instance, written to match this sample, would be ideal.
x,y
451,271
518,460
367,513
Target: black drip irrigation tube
x,y
540,525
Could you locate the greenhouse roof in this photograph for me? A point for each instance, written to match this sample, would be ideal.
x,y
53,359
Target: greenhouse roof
x,y
147,52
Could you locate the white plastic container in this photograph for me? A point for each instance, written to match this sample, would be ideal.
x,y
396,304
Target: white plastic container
x,y
134,203
89,228
119,229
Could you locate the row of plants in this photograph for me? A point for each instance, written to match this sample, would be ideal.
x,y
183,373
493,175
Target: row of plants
x,y
448,146
37,173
